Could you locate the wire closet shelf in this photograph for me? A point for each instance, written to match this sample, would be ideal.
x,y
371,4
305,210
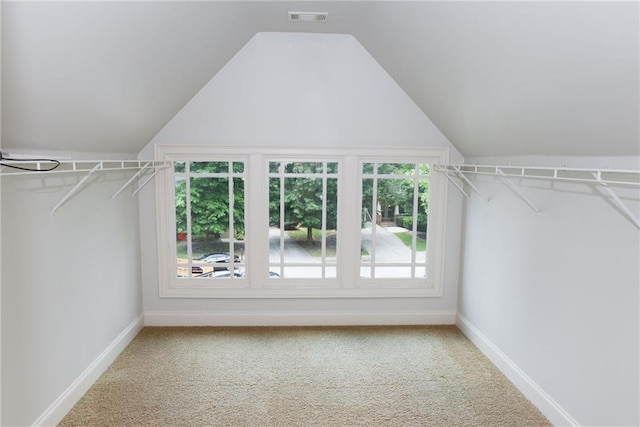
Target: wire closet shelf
x,y
604,178
595,176
145,171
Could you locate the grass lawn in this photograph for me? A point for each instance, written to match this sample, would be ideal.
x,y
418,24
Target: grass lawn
x,y
314,248
405,236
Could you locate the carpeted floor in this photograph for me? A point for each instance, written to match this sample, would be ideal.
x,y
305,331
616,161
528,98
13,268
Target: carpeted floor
x,y
304,376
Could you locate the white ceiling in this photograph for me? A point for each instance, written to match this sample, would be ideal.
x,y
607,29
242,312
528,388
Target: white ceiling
x,y
497,78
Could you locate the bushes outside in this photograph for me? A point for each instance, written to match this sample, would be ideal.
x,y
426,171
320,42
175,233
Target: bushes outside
x,y
406,221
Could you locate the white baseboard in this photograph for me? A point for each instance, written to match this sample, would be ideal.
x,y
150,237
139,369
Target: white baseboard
x,y
533,392
181,318
63,404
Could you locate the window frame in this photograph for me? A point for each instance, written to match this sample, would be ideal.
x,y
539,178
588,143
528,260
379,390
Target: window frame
x,y
257,284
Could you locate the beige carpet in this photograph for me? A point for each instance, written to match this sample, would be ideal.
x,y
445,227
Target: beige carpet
x,y
320,376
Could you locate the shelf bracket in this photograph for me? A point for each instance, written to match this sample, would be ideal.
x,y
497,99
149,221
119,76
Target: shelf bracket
x,y
133,178
76,188
445,172
147,181
616,198
516,190
469,183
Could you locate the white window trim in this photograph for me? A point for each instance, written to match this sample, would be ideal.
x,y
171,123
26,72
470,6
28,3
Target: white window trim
x,y
348,284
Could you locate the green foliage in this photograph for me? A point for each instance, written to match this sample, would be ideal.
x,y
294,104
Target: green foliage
x,y
396,191
303,200
303,197
406,221
209,206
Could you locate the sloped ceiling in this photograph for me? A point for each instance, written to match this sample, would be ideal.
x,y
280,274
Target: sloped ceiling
x,y
497,78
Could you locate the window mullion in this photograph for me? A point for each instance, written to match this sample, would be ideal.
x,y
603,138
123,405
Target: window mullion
x,y
374,220
323,251
282,212
349,230
231,220
255,255
414,226
188,213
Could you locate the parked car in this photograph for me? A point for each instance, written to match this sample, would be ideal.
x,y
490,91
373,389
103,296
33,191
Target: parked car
x,y
218,257
227,274
221,274
196,269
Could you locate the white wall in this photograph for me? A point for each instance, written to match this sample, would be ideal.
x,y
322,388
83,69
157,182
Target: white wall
x,y
291,89
70,285
557,294
0,224
288,90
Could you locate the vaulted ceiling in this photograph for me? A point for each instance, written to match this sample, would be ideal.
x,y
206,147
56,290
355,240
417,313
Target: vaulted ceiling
x,y
498,78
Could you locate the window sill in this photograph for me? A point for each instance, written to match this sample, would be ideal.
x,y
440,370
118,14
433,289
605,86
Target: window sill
x,y
300,293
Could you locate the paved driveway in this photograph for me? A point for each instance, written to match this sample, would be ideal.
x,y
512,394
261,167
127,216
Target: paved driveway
x,y
389,247
292,251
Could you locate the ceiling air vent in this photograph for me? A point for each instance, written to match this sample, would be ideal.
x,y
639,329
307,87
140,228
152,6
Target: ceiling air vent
x,y
308,16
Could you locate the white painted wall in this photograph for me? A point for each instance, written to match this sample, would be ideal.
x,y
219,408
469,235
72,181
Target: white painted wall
x,y
558,294
70,284
1,225
306,90
291,89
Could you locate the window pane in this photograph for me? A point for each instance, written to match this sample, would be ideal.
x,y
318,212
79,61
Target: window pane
x,y
367,168
331,272
395,272
238,213
305,167
368,208
331,221
423,205
274,167
395,197
209,213
396,168
366,271
178,167
238,167
397,233
181,227
302,272
303,221
332,167
274,202
218,273
217,238
209,167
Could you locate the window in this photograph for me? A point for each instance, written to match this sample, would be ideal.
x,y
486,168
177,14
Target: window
x,y
395,199
303,219
209,212
300,223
